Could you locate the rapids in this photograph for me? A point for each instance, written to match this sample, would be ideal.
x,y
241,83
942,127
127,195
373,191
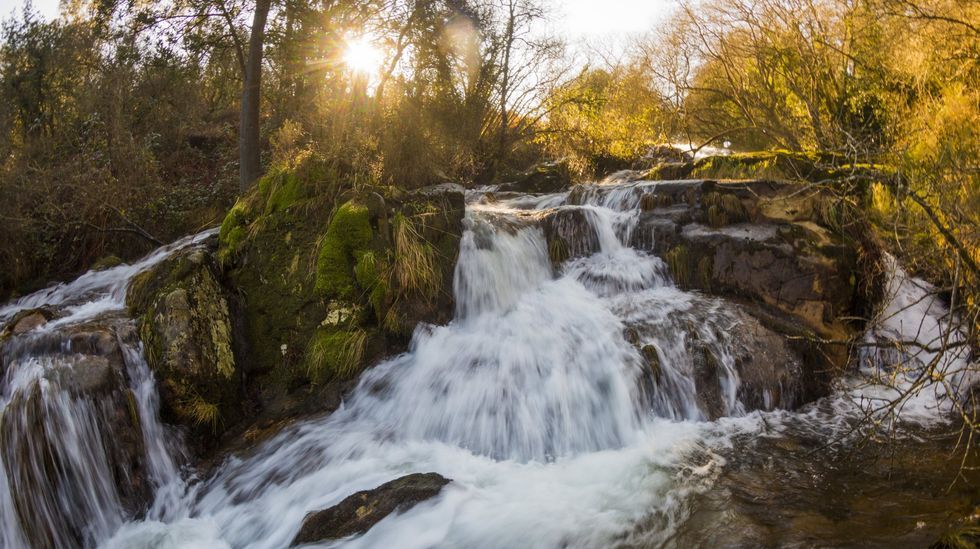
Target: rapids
x,y
532,400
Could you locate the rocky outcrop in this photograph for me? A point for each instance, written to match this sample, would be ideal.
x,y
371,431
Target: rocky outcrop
x,y
789,251
828,168
759,240
82,423
186,329
720,341
305,287
325,284
357,513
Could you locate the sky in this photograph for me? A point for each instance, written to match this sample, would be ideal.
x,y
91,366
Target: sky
x,y
606,18
48,8
579,19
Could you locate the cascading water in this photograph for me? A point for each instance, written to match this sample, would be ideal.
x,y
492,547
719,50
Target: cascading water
x,y
67,475
536,400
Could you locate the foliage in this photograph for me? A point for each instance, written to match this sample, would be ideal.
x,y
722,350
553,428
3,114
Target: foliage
x,y
119,120
335,354
105,148
605,116
415,261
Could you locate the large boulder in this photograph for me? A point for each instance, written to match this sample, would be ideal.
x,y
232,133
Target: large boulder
x,y
357,513
186,330
326,282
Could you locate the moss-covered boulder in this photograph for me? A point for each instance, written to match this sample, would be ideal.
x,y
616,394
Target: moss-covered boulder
x,y
827,168
186,329
107,262
327,281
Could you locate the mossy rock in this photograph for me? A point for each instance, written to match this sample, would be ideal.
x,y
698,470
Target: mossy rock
x,y
186,330
826,168
670,171
347,240
233,233
321,283
107,262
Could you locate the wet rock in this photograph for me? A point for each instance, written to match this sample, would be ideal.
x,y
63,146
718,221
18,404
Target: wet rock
x,y
551,177
186,329
569,235
708,379
358,513
771,372
652,358
741,240
749,240
785,254
82,424
26,321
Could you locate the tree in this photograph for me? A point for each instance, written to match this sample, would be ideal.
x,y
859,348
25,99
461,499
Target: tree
x,y
250,154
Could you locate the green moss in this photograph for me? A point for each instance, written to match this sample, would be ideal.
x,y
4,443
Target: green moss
x,y
233,232
347,239
107,262
739,166
763,165
282,189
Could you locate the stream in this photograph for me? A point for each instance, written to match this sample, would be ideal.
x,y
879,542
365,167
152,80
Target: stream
x,y
538,407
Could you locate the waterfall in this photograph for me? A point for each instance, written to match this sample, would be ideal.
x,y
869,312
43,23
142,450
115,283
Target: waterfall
x,y
570,400
73,392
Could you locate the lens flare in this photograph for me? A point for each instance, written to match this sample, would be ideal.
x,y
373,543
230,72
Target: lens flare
x,y
362,56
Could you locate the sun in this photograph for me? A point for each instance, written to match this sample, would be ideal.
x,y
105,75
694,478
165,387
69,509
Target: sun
x,y
362,56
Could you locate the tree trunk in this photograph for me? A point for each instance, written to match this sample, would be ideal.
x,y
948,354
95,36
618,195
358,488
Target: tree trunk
x,y
250,167
505,88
